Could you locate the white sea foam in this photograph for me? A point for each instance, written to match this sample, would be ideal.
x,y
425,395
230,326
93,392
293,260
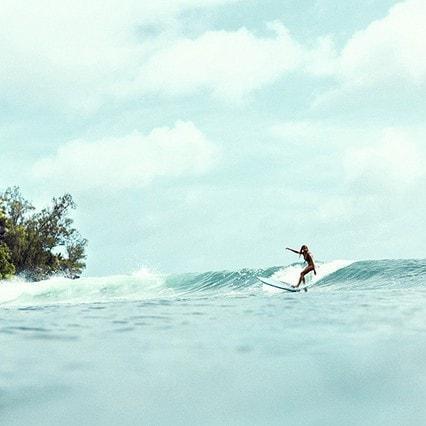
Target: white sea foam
x,y
57,290
290,274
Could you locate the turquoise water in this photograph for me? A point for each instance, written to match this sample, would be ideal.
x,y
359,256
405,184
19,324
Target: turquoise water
x,y
217,348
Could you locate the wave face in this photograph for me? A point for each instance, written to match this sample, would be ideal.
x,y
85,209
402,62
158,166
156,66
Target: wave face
x,y
378,274
338,275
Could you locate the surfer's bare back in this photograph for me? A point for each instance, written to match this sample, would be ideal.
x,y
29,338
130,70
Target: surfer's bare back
x,y
308,259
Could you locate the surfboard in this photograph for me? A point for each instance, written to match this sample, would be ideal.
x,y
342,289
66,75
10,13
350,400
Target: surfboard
x,y
283,285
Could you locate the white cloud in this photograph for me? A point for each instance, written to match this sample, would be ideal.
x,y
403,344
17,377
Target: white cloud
x,y
74,54
130,161
381,64
81,55
394,163
231,64
361,159
322,59
388,49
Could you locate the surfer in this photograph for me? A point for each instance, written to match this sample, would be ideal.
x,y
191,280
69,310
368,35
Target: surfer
x,y
308,259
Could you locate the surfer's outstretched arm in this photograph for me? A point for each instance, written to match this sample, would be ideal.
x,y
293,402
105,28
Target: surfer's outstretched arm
x,y
294,251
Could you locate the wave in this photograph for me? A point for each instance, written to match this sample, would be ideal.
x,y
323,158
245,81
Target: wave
x,y
338,275
58,290
378,274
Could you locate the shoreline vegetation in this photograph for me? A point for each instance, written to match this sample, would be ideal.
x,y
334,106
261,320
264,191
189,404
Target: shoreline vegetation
x,y
39,244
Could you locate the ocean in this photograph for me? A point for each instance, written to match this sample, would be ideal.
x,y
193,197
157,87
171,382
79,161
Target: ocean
x,y
217,348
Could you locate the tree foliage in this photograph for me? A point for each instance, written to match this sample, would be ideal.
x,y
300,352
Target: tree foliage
x,y
39,244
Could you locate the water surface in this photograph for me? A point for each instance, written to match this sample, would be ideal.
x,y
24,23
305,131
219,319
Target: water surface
x,y
217,348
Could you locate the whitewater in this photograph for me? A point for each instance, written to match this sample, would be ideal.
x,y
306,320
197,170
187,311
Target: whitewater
x,y
217,348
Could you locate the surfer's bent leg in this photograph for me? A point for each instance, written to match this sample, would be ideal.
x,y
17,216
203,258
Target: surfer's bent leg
x,y
308,269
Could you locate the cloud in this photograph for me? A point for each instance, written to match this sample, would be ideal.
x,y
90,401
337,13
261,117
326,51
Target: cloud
x,y
130,161
233,64
394,163
75,54
80,56
322,58
388,49
357,159
230,64
381,64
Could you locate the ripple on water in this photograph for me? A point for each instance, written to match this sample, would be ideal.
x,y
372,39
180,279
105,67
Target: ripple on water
x,y
123,329
97,307
152,317
59,337
24,329
31,308
37,333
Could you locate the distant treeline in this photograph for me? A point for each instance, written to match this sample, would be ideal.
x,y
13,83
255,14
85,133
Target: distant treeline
x,y
40,244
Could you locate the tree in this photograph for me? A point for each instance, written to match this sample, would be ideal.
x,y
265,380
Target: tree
x,y
6,267
42,243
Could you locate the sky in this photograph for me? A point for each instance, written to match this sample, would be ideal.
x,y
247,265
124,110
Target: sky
x,y
200,135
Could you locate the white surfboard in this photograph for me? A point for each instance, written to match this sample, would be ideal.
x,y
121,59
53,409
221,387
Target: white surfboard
x,y
283,285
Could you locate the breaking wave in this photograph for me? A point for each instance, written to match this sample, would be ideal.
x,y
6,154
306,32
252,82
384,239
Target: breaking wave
x,y
338,275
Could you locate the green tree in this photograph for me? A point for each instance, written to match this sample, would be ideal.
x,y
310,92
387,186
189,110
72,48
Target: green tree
x,y
42,243
6,267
